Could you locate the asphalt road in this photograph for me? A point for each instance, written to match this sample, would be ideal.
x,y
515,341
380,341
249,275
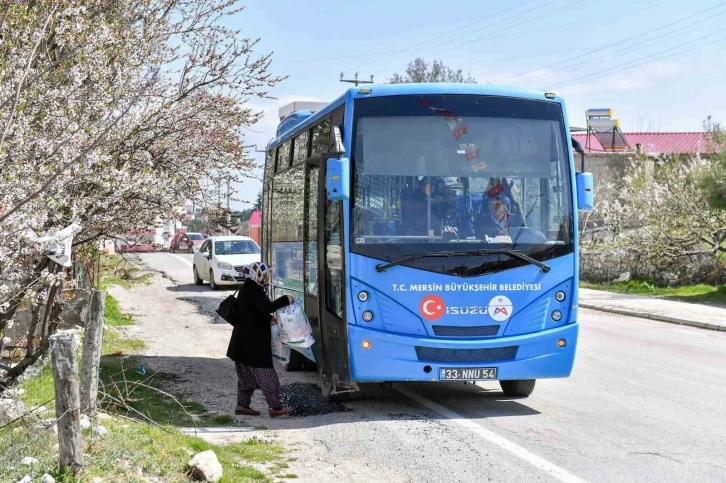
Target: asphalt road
x,y
645,403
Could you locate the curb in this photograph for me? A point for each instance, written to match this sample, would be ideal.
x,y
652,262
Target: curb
x,y
657,317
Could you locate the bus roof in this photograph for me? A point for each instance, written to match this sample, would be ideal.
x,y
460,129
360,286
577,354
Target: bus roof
x,y
382,90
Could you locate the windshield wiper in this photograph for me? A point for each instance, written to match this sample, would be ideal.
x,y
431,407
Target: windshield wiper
x,y
495,251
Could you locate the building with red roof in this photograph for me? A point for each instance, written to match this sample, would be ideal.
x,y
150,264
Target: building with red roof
x,y
650,143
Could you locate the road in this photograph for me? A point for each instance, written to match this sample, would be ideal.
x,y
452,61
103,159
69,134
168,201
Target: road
x,y
645,402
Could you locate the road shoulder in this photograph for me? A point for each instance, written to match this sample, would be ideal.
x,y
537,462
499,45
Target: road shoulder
x,y
670,311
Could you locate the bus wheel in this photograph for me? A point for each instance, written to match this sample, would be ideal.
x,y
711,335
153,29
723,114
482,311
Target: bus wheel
x,y
295,362
521,388
326,387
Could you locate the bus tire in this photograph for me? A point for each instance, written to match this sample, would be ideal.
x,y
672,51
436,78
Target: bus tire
x,y
295,362
522,388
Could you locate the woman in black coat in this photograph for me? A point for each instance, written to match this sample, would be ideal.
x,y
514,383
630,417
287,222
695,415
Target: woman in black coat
x,y
250,345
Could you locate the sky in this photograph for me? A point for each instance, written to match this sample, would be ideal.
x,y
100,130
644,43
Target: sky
x,y
659,64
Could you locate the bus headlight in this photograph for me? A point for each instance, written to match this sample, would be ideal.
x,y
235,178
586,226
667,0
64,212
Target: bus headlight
x,y
367,315
556,315
363,296
560,296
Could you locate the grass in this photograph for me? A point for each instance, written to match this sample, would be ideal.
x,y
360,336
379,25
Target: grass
x,y
131,449
697,294
134,448
114,316
117,270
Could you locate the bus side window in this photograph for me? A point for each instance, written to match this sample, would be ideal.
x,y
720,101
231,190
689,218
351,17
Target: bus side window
x,y
333,258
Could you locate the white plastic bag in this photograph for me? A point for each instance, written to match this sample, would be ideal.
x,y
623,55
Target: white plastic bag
x,y
279,351
295,329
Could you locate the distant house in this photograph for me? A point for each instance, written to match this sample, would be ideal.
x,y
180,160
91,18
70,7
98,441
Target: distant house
x,y
255,226
649,143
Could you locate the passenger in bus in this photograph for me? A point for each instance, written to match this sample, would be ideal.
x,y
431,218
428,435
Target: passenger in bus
x,y
414,211
250,344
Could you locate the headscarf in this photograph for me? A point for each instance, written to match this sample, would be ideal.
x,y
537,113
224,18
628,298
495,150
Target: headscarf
x,y
256,272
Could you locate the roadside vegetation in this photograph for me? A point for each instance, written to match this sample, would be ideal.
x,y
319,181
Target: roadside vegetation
x,y
143,440
700,294
120,270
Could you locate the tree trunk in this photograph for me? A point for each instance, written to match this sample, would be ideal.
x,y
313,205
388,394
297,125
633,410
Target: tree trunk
x,y
91,360
67,401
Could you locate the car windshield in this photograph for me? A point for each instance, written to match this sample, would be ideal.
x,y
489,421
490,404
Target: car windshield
x,y
195,236
460,172
236,247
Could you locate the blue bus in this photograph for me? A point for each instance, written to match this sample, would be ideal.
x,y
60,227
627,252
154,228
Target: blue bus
x,y
431,231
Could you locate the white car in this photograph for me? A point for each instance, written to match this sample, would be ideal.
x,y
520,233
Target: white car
x,y
220,259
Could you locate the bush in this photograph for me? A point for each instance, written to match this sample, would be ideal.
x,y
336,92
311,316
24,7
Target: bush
x,y
660,214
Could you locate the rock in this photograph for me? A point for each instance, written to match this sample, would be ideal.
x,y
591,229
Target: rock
x,y
100,431
623,278
46,478
32,371
10,409
29,461
103,416
206,467
26,479
85,422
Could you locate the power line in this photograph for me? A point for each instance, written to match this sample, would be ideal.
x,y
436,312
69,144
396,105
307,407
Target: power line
x,y
505,79
449,41
408,49
496,34
668,52
624,49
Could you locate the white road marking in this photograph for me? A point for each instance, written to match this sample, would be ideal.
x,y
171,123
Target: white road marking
x,y
522,453
182,259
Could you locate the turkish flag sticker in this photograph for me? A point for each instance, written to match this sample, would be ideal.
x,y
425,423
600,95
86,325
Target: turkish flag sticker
x,y
432,307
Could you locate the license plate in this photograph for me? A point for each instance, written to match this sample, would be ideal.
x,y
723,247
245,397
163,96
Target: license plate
x,y
467,373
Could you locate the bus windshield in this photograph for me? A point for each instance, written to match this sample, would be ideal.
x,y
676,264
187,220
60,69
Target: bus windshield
x,y
448,172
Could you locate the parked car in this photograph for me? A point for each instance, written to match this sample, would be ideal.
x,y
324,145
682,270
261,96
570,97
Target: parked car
x,y
220,259
186,242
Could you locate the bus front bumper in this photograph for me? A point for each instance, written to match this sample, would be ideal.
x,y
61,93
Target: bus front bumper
x,y
395,357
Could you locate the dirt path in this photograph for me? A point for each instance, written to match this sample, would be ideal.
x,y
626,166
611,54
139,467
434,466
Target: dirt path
x,y
184,343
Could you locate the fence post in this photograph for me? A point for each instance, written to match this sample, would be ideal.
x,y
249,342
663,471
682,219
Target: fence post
x,y
91,360
67,400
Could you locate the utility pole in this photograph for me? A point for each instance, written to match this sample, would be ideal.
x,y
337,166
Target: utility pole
x,y
355,81
229,214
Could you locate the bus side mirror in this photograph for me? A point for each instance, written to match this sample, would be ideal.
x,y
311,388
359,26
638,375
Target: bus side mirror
x,y
585,193
337,179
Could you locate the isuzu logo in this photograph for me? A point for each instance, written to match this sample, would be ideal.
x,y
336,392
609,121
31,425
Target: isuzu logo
x,y
433,307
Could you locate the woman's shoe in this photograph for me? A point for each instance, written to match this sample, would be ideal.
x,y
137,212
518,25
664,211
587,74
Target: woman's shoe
x,y
276,413
241,410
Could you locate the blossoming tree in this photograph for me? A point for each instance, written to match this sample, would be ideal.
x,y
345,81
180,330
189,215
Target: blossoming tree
x,y
112,114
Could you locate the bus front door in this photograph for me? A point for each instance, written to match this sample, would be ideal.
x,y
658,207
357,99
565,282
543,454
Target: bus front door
x,y
329,327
